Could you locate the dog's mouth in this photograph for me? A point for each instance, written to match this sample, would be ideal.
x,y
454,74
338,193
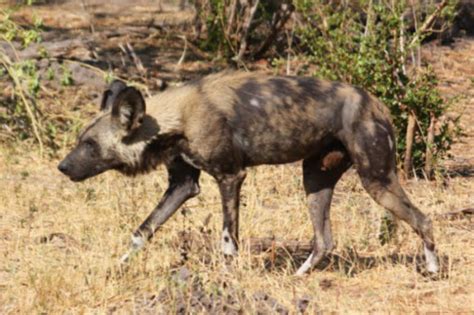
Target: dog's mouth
x,y
78,178
98,169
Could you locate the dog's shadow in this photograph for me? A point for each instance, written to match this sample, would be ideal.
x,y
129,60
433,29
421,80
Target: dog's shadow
x,y
280,255
349,262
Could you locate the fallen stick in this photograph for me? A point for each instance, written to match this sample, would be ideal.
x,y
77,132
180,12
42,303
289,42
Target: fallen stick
x,y
457,214
136,60
268,243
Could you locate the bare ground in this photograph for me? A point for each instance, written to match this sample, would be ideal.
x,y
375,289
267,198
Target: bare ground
x,y
454,66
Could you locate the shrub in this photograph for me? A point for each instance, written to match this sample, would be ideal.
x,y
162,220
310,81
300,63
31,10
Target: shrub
x,y
236,29
376,45
22,114
19,111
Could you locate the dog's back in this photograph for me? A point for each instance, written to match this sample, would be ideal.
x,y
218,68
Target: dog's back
x,y
264,119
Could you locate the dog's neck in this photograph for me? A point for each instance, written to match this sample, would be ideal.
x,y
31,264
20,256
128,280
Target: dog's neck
x,y
152,153
168,108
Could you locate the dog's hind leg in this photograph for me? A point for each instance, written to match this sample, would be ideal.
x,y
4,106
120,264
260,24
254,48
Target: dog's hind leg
x,y
373,154
389,194
320,175
229,187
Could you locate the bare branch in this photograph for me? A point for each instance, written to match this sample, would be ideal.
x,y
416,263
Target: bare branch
x,y
278,22
426,27
230,21
245,30
410,136
136,60
429,148
185,49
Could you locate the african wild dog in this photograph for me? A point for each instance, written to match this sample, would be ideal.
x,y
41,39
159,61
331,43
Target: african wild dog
x,y
224,123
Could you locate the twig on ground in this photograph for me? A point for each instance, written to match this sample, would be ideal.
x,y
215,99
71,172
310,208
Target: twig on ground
x,y
267,244
104,73
198,52
185,49
136,59
457,214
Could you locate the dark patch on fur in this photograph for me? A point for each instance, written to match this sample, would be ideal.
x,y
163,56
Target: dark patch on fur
x,y
85,161
226,158
365,98
181,173
278,127
310,89
316,173
377,148
156,152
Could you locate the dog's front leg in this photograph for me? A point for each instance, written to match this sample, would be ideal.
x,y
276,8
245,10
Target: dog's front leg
x,y
183,185
229,187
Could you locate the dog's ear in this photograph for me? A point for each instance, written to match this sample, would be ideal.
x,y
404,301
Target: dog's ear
x,y
128,109
109,95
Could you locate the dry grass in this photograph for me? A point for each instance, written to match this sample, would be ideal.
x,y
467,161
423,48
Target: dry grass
x,y
76,269
60,241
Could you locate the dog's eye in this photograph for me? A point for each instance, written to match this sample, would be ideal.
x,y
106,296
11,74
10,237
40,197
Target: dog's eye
x,y
90,144
91,148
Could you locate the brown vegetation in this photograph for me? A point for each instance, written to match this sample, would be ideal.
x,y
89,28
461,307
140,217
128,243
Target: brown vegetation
x,y
60,241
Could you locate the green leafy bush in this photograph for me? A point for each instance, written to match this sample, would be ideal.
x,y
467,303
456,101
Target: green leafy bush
x,y
376,45
22,115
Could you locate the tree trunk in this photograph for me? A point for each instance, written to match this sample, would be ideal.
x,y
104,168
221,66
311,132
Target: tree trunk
x,y
429,149
410,136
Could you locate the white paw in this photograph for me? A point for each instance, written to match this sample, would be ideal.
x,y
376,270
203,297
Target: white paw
x,y
228,246
137,243
431,260
305,266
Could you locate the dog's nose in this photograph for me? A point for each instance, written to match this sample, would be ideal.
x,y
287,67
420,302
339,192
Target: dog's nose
x,y
63,166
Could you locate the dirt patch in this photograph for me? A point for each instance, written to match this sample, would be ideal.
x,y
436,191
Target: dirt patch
x,y
454,66
99,33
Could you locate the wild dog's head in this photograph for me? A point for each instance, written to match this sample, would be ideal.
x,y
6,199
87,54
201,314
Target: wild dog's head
x,y
113,140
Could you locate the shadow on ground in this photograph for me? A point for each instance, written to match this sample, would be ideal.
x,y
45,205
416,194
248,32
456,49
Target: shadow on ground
x,y
351,263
